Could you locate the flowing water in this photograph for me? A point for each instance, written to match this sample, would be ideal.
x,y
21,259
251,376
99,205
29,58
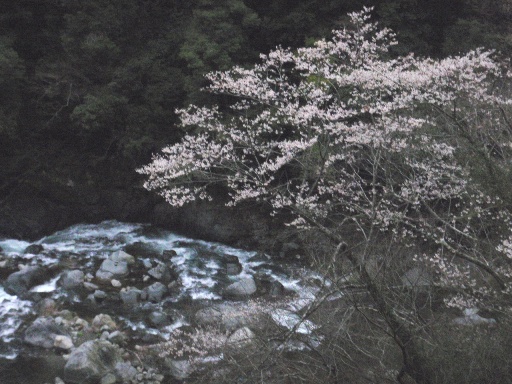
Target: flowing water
x,y
200,264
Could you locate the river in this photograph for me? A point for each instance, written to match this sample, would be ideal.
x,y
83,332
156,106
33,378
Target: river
x,y
203,281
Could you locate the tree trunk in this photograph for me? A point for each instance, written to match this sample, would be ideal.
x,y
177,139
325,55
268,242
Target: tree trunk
x,y
416,364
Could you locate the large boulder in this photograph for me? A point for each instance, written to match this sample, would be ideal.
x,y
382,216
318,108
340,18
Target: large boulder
x,y
111,269
91,361
215,222
18,283
43,332
241,289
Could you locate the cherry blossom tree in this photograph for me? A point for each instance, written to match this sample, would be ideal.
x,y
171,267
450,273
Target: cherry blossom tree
x,y
344,135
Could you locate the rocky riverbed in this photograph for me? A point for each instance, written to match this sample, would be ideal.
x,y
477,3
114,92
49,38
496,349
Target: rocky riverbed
x,y
129,303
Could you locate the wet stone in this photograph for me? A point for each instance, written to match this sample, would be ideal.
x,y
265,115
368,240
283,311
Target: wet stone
x,y
81,323
43,331
100,295
109,378
241,337
63,342
155,292
34,249
103,321
270,286
116,337
18,283
243,288
168,254
90,362
125,371
159,319
90,300
122,256
90,286
71,279
233,265
130,296
160,272
112,269
46,307
179,369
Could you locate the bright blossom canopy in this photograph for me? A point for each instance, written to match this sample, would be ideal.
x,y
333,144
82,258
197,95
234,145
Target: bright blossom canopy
x,y
342,132
337,127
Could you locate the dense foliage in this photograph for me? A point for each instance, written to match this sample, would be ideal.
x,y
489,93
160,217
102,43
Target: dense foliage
x,y
100,80
344,137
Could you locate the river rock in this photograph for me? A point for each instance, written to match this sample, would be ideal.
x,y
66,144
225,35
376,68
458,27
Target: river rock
x,y
179,369
141,250
111,269
100,295
116,337
71,279
125,372
130,296
8,265
241,289
109,378
18,283
63,342
43,331
81,323
164,273
241,337
471,317
231,317
158,318
233,265
103,322
158,272
168,254
46,307
34,249
91,361
90,286
269,286
122,256
155,292
209,316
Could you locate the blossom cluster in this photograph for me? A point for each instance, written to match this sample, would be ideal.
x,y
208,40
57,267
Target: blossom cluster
x,y
342,129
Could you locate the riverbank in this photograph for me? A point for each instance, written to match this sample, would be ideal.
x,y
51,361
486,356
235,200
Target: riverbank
x,y
137,292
